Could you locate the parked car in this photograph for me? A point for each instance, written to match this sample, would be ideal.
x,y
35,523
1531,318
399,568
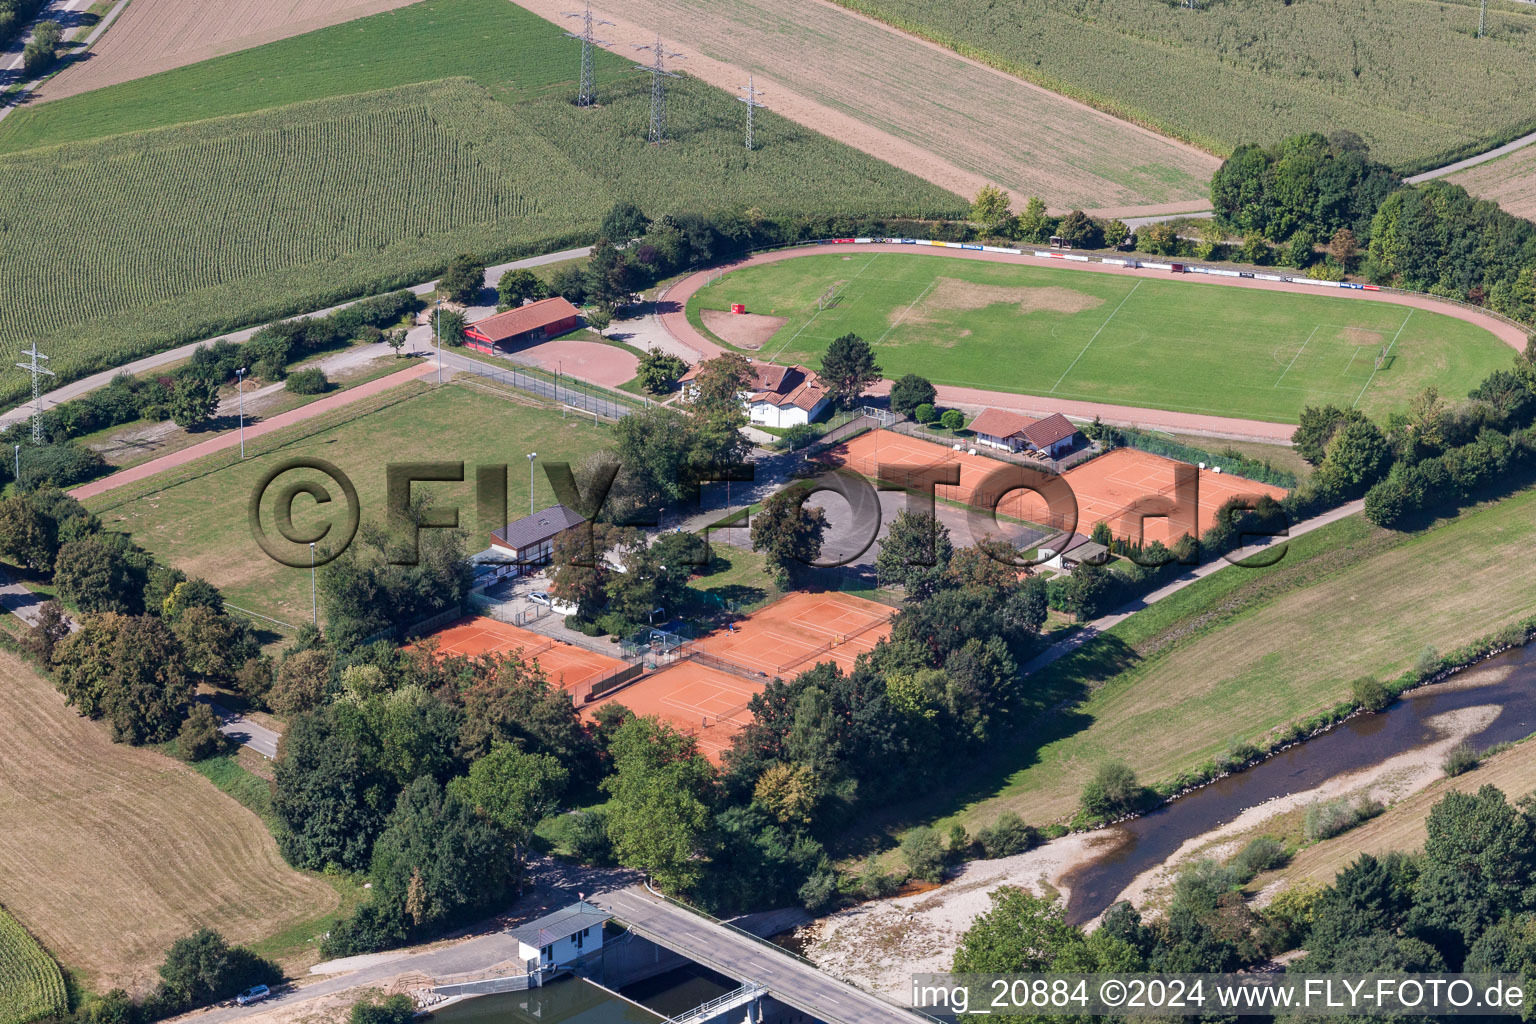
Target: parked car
x,y
254,994
541,597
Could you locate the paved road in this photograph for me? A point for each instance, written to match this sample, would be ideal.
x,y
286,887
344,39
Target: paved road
x,y
1473,161
244,731
787,979
159,359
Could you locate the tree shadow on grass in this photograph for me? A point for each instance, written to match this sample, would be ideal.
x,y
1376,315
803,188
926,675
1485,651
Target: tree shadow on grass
x,y
1053,712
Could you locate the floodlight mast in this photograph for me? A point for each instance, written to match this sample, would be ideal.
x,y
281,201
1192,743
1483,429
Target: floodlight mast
x,y
659,75
750,99
586,92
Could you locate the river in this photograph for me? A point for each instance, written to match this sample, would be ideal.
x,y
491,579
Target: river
x,y
576,1001
1361,743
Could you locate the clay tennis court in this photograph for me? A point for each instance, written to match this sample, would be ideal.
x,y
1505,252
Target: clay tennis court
x,y
801,630
563,664
706,703
1105,487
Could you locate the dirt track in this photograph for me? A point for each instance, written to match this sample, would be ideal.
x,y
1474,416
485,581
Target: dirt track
x,y
676,323
157,35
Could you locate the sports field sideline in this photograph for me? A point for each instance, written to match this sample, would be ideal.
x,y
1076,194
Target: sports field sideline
x,y
1133,340
1105,487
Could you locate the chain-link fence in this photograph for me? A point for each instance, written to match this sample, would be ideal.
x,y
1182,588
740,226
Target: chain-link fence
x,y
566,390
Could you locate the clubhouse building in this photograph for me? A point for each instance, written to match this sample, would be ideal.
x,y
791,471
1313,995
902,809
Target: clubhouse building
x,y
526,325
1011,431
777,396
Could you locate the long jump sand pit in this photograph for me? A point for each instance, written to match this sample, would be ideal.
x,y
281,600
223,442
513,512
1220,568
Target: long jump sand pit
x,y
750,331
565,665
1106,488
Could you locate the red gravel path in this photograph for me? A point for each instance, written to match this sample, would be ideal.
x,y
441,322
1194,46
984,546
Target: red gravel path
x,y
254,430
677,325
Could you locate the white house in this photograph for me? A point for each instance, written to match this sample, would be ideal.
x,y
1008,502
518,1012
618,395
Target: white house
x,y
559,939
778,396
531,540
1012,431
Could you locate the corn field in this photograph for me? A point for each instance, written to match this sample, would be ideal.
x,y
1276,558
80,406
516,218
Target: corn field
x,y
118,247
31,985
1411,79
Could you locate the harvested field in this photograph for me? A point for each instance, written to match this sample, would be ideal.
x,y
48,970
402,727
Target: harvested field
x,y
1509,181
943,117
109,853
750,331
157,35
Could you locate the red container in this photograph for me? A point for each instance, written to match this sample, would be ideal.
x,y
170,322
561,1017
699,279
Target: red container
x,y
737,307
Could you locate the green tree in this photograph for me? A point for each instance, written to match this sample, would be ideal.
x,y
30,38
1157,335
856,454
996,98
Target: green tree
x,y
718,385
395,1009
97,574
302,681
1357,454
953,419
202,969
515,287
610,279
395,339
1115,233
579,573
1299,251
923,851
1113,791
1034,225
1254,250
216,644
463,279
1316,427
659,815
659,371
650,580
1160,239
848,368
199,737
1344,249
193,402
1022,933
788,531
43,48
448,327
514,791
185,594
437,862
1080,231
911,391
148,691
598,319
1479,864
623,222
915,554
48,630
83,662
28,537
925,413
990,208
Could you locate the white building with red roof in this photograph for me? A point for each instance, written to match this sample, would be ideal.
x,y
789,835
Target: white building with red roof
x,y
1013,431
777,396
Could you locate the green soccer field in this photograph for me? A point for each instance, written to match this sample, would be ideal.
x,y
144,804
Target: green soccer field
x,y
1182,345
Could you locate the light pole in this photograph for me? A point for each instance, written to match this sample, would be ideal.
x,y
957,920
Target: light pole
x,y
240,390
437,336
18,465
314,606
531,457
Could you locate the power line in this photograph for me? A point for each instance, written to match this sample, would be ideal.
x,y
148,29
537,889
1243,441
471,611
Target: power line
x,y
750,99
659,75
586,92
1482,19
37,370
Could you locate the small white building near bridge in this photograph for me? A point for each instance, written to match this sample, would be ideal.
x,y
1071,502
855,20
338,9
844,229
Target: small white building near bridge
x,y
561,938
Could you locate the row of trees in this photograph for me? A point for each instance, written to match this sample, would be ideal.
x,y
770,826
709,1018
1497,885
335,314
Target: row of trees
x,y
199,970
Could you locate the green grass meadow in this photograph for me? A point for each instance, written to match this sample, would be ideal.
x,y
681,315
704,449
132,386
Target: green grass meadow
x,y
360,158
31,985
194,516
1181,345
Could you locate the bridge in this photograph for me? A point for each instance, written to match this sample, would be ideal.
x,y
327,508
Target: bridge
x,y
765,967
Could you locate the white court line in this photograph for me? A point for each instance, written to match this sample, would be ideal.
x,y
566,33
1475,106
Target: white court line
x,y
1095,336
904,312
1297,355
791,341
1383,355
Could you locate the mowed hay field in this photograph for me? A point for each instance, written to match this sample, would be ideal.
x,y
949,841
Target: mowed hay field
x,y
195,228
109,853
1025,139
31,984
1243,652
194,516
155,35
1182,345
1410,78
1509,181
